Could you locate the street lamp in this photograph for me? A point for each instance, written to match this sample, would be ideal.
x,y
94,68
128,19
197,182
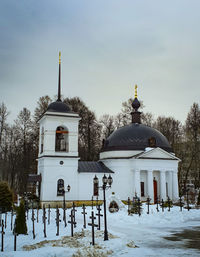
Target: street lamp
x,y
64,212
106,180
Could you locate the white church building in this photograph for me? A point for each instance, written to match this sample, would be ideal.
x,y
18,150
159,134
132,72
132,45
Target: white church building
x,y
139,159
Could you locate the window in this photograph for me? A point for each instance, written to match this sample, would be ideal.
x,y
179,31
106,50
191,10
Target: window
x,y
167,189
60,187
96,189
152,142
61,140
142,188
42,140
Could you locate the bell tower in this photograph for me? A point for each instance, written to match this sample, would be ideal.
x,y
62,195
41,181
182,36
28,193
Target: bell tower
x,y
58,150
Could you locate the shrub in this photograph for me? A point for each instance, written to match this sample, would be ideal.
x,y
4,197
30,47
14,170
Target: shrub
x,y
6,197
20,222
198,199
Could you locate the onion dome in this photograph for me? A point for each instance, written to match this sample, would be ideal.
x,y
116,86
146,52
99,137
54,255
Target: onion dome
x,y
135,136
136,105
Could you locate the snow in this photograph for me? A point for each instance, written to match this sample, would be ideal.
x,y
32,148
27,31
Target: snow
x,y
125,232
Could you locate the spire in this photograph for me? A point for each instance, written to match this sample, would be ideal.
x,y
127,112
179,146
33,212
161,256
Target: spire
x,y
59,77
136,105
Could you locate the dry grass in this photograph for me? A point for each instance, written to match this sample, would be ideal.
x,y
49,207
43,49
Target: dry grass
x,y
69,203
68,241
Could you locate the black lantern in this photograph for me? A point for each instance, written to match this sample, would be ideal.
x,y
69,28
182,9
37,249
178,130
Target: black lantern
x,y
110,180
95,180
104,180
68,188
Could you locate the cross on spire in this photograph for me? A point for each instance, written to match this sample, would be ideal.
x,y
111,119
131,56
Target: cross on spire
x,y
136,91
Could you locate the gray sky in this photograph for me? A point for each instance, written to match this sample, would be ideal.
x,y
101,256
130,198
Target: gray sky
x,y
107,47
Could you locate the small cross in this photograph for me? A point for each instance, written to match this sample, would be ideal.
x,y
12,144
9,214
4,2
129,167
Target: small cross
x,y
2,234
33,219
93,226
84,217
44,220
74,210
148,202
162,205
49,211
57,220
99,216
157,202
15,238
72,221
169,203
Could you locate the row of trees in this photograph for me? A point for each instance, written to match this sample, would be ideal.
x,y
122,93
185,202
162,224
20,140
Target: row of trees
x,y
19,141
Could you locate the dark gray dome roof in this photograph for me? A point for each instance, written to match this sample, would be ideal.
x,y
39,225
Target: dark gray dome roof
x,y
135,137
58,106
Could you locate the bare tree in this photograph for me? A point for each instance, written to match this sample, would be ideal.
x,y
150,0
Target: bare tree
x,y
170,128
108,125
192,129
89,129
3,117
23,131
41,107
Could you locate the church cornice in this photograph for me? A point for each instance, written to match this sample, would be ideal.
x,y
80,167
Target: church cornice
x,y
59,156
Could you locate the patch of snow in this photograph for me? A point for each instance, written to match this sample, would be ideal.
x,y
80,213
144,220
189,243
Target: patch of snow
x,y
125,233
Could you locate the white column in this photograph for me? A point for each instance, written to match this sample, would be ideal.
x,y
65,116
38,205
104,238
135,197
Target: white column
x,y
150,191
162,185
137,183
170,183
175,193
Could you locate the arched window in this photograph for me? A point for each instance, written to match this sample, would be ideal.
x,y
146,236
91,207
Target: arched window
x,y
60,187
62,144
42,140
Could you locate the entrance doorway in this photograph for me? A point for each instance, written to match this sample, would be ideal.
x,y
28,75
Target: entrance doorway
x,y
155,190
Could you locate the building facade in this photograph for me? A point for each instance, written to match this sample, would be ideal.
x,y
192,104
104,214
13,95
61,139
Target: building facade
x,y
138,157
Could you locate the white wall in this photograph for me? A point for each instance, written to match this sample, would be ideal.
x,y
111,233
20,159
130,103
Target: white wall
x,y
50,123
52,171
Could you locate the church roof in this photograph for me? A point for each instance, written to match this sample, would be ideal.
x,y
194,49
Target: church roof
x,y
94,167
58,106
135,137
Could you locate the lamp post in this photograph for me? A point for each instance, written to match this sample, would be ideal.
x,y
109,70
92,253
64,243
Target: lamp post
x,y
64,191
106,180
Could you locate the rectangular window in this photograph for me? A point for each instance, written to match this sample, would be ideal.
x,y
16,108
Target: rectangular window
x,y
167,189
142,188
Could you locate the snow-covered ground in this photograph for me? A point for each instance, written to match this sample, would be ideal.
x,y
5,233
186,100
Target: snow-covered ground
x,y
147,232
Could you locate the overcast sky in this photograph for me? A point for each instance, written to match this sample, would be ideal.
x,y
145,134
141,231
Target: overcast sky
x,y
107,47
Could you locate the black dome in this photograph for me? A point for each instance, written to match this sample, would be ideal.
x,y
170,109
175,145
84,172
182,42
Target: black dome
x,y
136,137
58,106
